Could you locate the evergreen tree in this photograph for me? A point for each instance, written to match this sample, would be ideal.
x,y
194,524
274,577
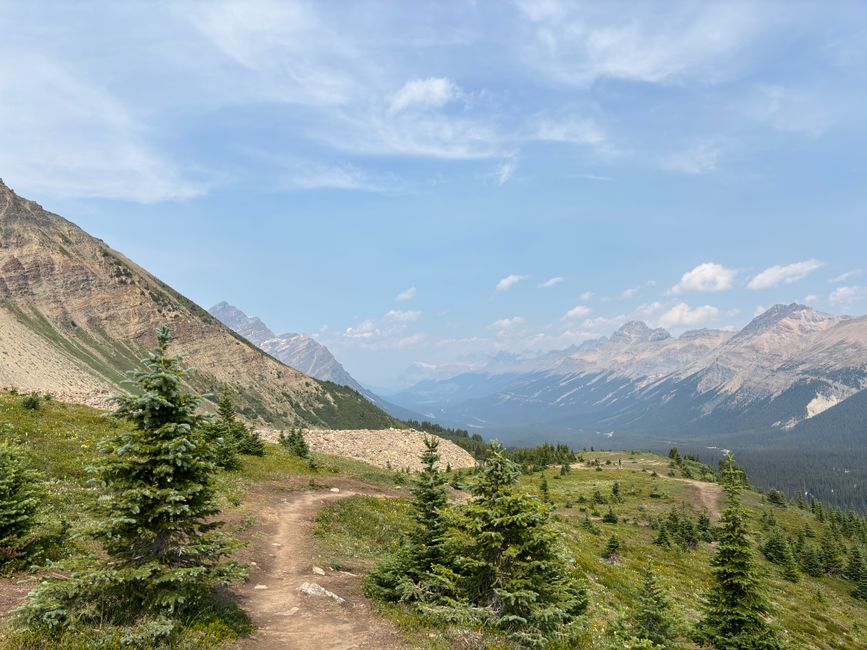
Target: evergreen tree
x,y
403,575
653,619
611,547
861,588
21,493
790,566
776,547
811,562
295,443
610,517
615,492
235,434
546,495
736,605
506,564
164,554
855,567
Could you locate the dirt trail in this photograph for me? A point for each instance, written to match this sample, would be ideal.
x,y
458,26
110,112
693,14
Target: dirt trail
x,y
287,618
710,494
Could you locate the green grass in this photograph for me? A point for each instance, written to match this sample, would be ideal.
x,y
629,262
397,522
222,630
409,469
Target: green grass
x,y
354,533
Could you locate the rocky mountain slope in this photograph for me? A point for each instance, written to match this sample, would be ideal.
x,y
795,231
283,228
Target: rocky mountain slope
x,y
786,366
297,351
303,353
76,315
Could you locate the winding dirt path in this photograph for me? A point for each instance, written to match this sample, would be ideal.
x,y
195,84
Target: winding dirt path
x,y
709,494
285,617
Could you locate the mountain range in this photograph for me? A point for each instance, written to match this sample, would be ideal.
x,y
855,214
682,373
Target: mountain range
x,y
302,352
788,365
76,316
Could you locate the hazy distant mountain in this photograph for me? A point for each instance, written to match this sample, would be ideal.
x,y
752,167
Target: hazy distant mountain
x,y
297,351
787,365
76,316
301,352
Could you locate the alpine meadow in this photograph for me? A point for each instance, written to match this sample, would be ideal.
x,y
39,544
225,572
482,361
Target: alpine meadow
x,y
470,325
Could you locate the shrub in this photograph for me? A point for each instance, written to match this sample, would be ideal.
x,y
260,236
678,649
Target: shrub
x,y
21,494
32,402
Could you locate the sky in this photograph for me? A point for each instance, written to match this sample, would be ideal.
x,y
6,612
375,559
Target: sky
x,y
424,184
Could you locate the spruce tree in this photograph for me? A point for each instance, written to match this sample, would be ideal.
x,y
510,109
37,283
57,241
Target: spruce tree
x,y
403,575
653,619
507,566
21,493
860,591
611,547
855,567
429,502
234,432
790,565
164,553
736,605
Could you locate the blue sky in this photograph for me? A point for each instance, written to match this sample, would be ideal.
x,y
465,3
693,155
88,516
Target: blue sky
x,y
435,182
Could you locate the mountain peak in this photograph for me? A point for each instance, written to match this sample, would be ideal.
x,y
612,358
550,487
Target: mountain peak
x,y
806,316
636,331
251,328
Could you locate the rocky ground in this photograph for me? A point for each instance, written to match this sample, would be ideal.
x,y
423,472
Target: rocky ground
x,y
397,449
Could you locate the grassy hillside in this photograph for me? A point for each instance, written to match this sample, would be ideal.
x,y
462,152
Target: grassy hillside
x,y
353,534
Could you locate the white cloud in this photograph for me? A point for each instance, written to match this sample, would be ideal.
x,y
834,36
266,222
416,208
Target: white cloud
x,y
509,281
433,92
506,327
759,310
550,282
682,315
365,330
811,299
409,341
506,170
578,311
775,275
577,43
848,275
701,158
406,294
629,293
67,136
842,296
789,110
604,322
648,310
705,277
313,176
571,131
403,316
587,295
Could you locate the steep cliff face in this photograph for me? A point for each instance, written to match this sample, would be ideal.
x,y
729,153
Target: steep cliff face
x,y
76,315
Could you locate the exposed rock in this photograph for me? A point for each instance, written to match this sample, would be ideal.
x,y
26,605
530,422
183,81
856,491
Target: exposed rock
x,y
314,589
397,449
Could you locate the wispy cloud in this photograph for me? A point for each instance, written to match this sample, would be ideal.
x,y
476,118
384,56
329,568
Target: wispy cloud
x,y
705,277
406,294
577,44
551,282
845,296
509,281
786,274
433,92
700,158
579,311
848,275
506,170
587,295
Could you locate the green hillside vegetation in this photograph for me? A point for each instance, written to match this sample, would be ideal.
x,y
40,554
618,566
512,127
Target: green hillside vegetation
x,y
810,558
